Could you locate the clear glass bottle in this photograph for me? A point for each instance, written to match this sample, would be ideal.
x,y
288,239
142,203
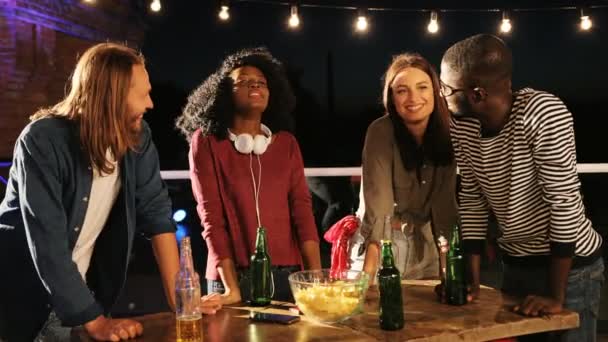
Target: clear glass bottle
x,y
398,239
189,320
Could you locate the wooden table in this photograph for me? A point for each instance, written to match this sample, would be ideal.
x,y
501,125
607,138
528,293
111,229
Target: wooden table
x,y
425,320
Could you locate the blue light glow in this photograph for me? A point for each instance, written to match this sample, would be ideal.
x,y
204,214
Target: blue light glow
x,y
181,232
179,215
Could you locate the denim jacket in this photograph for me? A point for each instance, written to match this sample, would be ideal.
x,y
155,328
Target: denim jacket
x,y
41,218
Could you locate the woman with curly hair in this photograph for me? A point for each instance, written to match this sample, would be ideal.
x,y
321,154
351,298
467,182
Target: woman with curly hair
x,y
408,171
247,171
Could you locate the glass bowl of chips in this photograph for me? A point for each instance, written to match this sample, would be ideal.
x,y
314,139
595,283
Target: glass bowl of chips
x,y
328,299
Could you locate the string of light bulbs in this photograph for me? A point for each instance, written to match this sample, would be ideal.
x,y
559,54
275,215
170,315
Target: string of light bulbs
x,y
361,23
155,5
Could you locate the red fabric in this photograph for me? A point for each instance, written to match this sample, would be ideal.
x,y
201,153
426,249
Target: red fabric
x,y
223,189
339,234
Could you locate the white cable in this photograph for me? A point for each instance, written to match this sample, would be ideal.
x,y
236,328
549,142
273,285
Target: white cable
x,y
256,187
257,200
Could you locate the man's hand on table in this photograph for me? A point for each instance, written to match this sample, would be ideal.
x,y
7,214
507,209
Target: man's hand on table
x,y
472,293
537,305
210,304
106,329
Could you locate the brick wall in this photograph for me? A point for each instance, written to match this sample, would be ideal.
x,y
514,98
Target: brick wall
x,y
39,45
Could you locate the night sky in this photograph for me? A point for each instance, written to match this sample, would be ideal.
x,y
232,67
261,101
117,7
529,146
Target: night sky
x,y
187,42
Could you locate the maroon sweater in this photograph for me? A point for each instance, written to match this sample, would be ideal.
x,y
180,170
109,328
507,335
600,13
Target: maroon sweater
x,y
223,189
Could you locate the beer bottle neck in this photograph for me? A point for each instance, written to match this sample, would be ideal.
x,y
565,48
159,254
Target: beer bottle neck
x,y
185,258
260,242
187,276
455,241
387,254
455,248
387,234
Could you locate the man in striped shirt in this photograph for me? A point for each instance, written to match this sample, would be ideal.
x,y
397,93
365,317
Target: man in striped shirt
x,y
517,158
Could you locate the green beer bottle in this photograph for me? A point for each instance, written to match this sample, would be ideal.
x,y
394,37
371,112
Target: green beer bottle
x,y
262,287
456,289
389,283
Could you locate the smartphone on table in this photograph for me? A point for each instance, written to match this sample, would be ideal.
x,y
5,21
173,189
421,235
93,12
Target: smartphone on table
x,y
273,318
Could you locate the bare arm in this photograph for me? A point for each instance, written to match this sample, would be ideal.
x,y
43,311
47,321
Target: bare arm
x,y
228,275
311,255
560,267
370,264
474,261
167,258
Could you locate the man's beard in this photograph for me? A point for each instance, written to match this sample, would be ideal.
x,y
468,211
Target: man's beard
x,y
134,127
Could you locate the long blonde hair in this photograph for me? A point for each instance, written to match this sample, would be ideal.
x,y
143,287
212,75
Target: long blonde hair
x,y
97,100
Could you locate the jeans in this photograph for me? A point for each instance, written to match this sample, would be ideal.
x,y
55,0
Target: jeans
x,y
282,292
582,296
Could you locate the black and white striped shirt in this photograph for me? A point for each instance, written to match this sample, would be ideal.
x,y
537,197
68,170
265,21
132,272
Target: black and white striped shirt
x,y
527,176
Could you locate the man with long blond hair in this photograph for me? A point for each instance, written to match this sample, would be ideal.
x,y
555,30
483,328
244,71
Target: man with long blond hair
x,y
85,179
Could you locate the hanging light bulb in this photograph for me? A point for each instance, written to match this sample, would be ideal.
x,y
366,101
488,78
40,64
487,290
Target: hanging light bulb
x,y
433,26
294,19
505,26
89,1
155,6
361,24
224,14
586,22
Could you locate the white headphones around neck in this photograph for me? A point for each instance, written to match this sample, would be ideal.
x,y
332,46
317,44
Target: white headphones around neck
x,y
246,144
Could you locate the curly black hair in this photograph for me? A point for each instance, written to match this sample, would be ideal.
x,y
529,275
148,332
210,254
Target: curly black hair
x,y
210,107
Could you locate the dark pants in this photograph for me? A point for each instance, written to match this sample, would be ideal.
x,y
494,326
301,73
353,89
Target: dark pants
x,y
337,197
23,309
282,292
582,296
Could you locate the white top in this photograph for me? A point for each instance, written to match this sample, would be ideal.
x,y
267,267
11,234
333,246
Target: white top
x,y
104,190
